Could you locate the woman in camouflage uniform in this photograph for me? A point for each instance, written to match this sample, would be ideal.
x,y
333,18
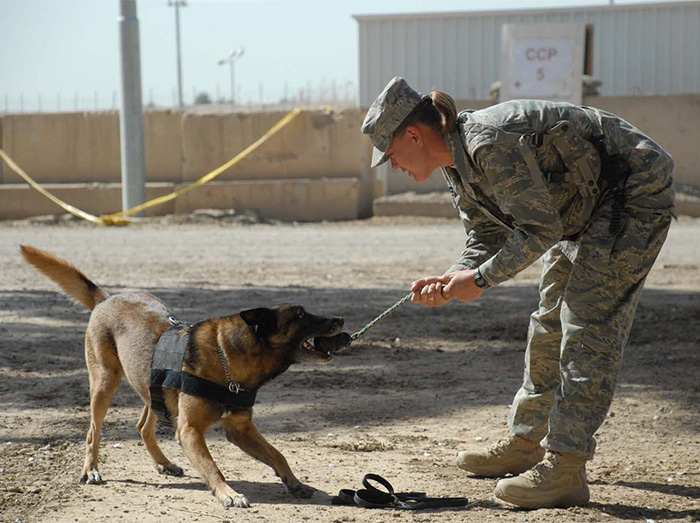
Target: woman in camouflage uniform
x,y
583,189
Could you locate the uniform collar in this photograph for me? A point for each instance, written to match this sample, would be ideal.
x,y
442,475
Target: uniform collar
x,y
462,163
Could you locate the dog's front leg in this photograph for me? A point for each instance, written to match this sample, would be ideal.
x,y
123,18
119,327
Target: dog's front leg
x,y
194,418
241,431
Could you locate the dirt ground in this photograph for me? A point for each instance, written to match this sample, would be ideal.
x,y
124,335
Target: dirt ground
x,y
401,402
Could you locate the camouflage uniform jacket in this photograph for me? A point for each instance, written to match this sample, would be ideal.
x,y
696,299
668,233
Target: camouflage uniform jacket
x,y
526,176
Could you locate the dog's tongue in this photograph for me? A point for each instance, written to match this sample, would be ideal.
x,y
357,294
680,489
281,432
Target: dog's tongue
x,y
333,344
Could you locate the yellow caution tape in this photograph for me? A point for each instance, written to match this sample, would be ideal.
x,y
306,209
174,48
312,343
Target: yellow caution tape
x,y
73,210
118,217
211,175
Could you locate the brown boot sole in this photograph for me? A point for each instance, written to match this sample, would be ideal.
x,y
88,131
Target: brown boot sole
x,y
574,500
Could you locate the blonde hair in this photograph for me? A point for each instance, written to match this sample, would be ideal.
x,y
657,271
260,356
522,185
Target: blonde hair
x,y
437,110
446,107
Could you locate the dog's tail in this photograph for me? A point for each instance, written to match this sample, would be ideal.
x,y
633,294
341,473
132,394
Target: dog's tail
x,y
74,283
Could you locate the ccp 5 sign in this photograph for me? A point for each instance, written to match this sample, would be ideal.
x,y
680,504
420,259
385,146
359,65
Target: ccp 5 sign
x,y
543,61
542,67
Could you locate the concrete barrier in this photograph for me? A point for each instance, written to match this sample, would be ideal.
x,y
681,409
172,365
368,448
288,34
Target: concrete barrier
x,y
436,205
63,147
289,200
314,144
163,143
84,147
19,201
317,146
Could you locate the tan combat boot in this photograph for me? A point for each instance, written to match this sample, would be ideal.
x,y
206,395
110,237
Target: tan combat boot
x,y
511,455
559,480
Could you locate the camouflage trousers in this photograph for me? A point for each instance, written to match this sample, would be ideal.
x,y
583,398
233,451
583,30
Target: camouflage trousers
x,y
588,296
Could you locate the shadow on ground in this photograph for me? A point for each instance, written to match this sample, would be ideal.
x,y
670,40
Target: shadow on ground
x,y
416,361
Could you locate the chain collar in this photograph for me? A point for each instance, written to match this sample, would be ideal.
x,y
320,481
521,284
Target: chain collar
x,y
233,387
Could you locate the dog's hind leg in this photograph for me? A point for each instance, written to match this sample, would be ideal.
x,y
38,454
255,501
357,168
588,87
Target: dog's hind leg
x,y
241,431
147,427
105,376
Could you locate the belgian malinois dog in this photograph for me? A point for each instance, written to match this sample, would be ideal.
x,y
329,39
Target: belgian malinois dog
x,y
246,349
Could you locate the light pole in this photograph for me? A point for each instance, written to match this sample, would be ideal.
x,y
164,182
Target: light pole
x,y
133,153
233,55
178,4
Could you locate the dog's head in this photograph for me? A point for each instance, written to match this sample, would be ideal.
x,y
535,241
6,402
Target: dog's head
x,y
296,332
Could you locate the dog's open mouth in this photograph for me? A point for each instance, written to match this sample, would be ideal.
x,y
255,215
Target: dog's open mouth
x,y
316,349
321,348
310,345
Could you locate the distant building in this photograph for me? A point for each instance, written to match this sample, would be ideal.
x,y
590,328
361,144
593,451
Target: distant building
x,y
635,49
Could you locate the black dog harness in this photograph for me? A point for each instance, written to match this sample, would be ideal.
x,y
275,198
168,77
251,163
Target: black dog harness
x,y
167,373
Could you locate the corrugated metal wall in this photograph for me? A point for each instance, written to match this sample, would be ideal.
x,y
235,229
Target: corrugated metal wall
x,y
637,49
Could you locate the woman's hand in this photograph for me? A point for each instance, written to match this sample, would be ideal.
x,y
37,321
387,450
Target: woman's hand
x,y
439,290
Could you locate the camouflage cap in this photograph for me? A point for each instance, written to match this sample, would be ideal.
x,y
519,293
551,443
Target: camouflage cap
x,y
385,115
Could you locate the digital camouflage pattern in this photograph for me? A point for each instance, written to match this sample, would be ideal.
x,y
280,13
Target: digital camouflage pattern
x,y
520,193
494,185
386,113
577,336
527,181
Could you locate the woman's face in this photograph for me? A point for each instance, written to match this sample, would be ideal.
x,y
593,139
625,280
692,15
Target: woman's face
x,y
409,153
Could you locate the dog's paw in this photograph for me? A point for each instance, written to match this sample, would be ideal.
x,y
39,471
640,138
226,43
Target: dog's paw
x,y
93,478
239,501
301,491
170,469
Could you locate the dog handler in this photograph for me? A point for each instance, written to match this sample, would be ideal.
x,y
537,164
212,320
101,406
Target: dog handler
x,y
584,189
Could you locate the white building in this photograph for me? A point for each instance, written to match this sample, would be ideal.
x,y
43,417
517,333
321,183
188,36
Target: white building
x,y
636,49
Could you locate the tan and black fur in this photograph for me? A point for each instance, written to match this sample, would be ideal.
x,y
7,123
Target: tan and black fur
x,y
120,340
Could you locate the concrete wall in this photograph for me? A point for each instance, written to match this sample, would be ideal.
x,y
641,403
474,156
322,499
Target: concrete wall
x,y
63,147
315,147
672,121
292,200
295,200
19,201
84,147
313,144
163,143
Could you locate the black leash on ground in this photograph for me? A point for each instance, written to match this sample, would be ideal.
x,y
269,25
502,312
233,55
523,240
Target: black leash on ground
x,y
373,497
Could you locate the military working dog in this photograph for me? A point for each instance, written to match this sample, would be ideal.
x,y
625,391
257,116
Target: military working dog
x,y
233,355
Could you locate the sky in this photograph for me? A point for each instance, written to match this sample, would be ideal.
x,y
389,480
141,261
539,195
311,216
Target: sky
x,y
64,54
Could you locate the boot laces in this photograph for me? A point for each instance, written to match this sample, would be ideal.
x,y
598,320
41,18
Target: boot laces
x,y
500,447
539,472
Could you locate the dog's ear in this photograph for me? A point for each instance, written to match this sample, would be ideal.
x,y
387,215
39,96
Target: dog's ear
x,y
262,320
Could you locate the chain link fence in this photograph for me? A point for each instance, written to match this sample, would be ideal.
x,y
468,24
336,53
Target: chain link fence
x,y
337,94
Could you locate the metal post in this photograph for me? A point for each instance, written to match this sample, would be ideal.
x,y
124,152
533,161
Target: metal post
x,y
233,55
131,116
177,4
233,86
